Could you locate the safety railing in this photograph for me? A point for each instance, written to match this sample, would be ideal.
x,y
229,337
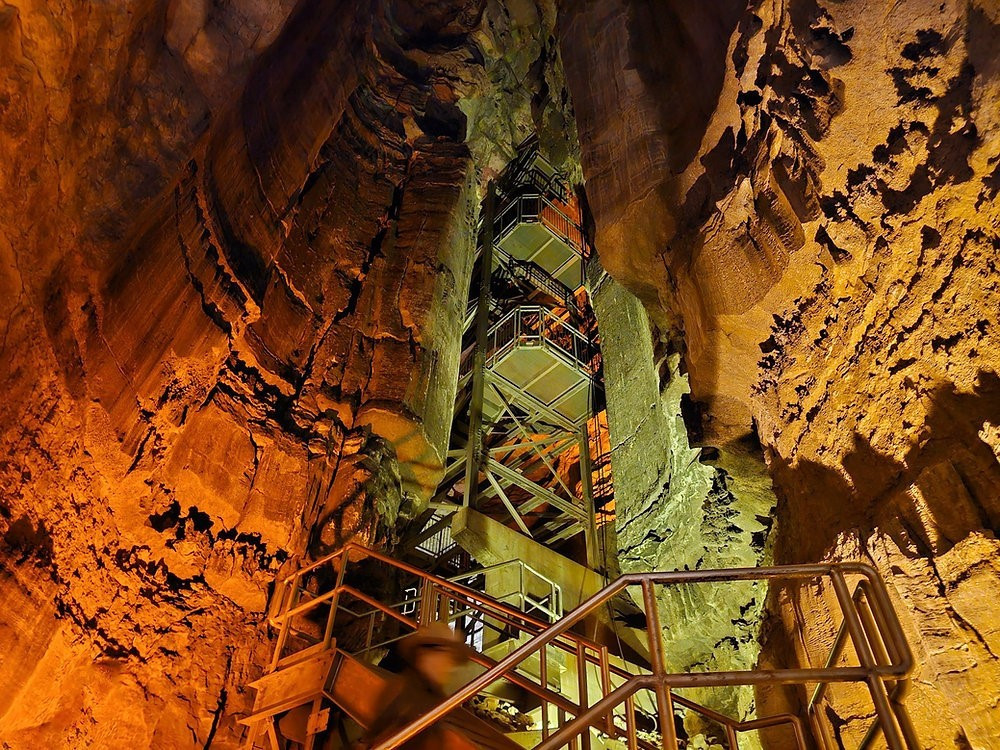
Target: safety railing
x,y
329,608
869,620
550,606
519,175
536,208
534,325
438,599
538,278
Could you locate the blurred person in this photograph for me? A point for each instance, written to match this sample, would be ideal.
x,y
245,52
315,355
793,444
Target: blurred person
x,y
432,654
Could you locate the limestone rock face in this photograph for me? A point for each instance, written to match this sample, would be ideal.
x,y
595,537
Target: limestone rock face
x,y
235,243
805,193
673,511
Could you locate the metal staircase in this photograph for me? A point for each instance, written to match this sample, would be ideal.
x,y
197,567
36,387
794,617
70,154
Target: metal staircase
x,y
510,540
529,385
323,684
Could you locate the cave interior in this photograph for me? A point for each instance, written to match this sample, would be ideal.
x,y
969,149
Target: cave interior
x,y
652,346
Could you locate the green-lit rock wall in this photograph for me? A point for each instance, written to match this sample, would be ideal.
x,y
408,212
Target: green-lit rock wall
x,y
674,511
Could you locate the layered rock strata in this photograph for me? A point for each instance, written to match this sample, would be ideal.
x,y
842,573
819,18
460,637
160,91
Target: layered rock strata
x,y
672,511
265,365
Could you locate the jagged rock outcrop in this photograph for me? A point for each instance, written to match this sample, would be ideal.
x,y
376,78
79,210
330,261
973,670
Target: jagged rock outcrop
x,y
805,193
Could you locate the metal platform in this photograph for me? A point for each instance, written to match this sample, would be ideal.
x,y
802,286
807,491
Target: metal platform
x,y
534,229
538,356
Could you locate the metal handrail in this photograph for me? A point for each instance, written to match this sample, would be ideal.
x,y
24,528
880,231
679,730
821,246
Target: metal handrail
x,y
536,208
872,672
587,652
539,278
288,589
535,324
553,612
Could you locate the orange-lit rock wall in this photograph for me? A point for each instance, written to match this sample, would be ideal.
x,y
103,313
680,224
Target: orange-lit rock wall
x,y
233,240
805,195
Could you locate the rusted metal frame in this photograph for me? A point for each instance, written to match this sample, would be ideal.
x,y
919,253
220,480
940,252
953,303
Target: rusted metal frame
x,y
581,681
524,433
380,644
335,592
773,721
507,503
543,676
875,681
558,431
903,662
508,442
654,639
587,482
332,616
474,447
428,532
883,620
543,693
515,657
632,737
556,419
538,490
587,718
873,631
789,572
511,660
272,735
789,676
326,559
394,605
510,447
820,729
605,667
279,645
554,588
571,528
526,463
539,690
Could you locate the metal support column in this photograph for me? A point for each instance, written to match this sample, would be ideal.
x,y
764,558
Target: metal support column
x,y
474,448
587,482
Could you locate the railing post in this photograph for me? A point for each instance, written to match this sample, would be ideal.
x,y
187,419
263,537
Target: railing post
x,y
587,483
581,676
427,606
633,739
664,701
543,676
876,684
283,633
606,686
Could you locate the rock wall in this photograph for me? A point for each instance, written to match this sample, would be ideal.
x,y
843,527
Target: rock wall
x,y
672,511
807,192
229,338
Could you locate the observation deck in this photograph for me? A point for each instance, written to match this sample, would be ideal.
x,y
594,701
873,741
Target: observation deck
x,y
535,228
542,364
